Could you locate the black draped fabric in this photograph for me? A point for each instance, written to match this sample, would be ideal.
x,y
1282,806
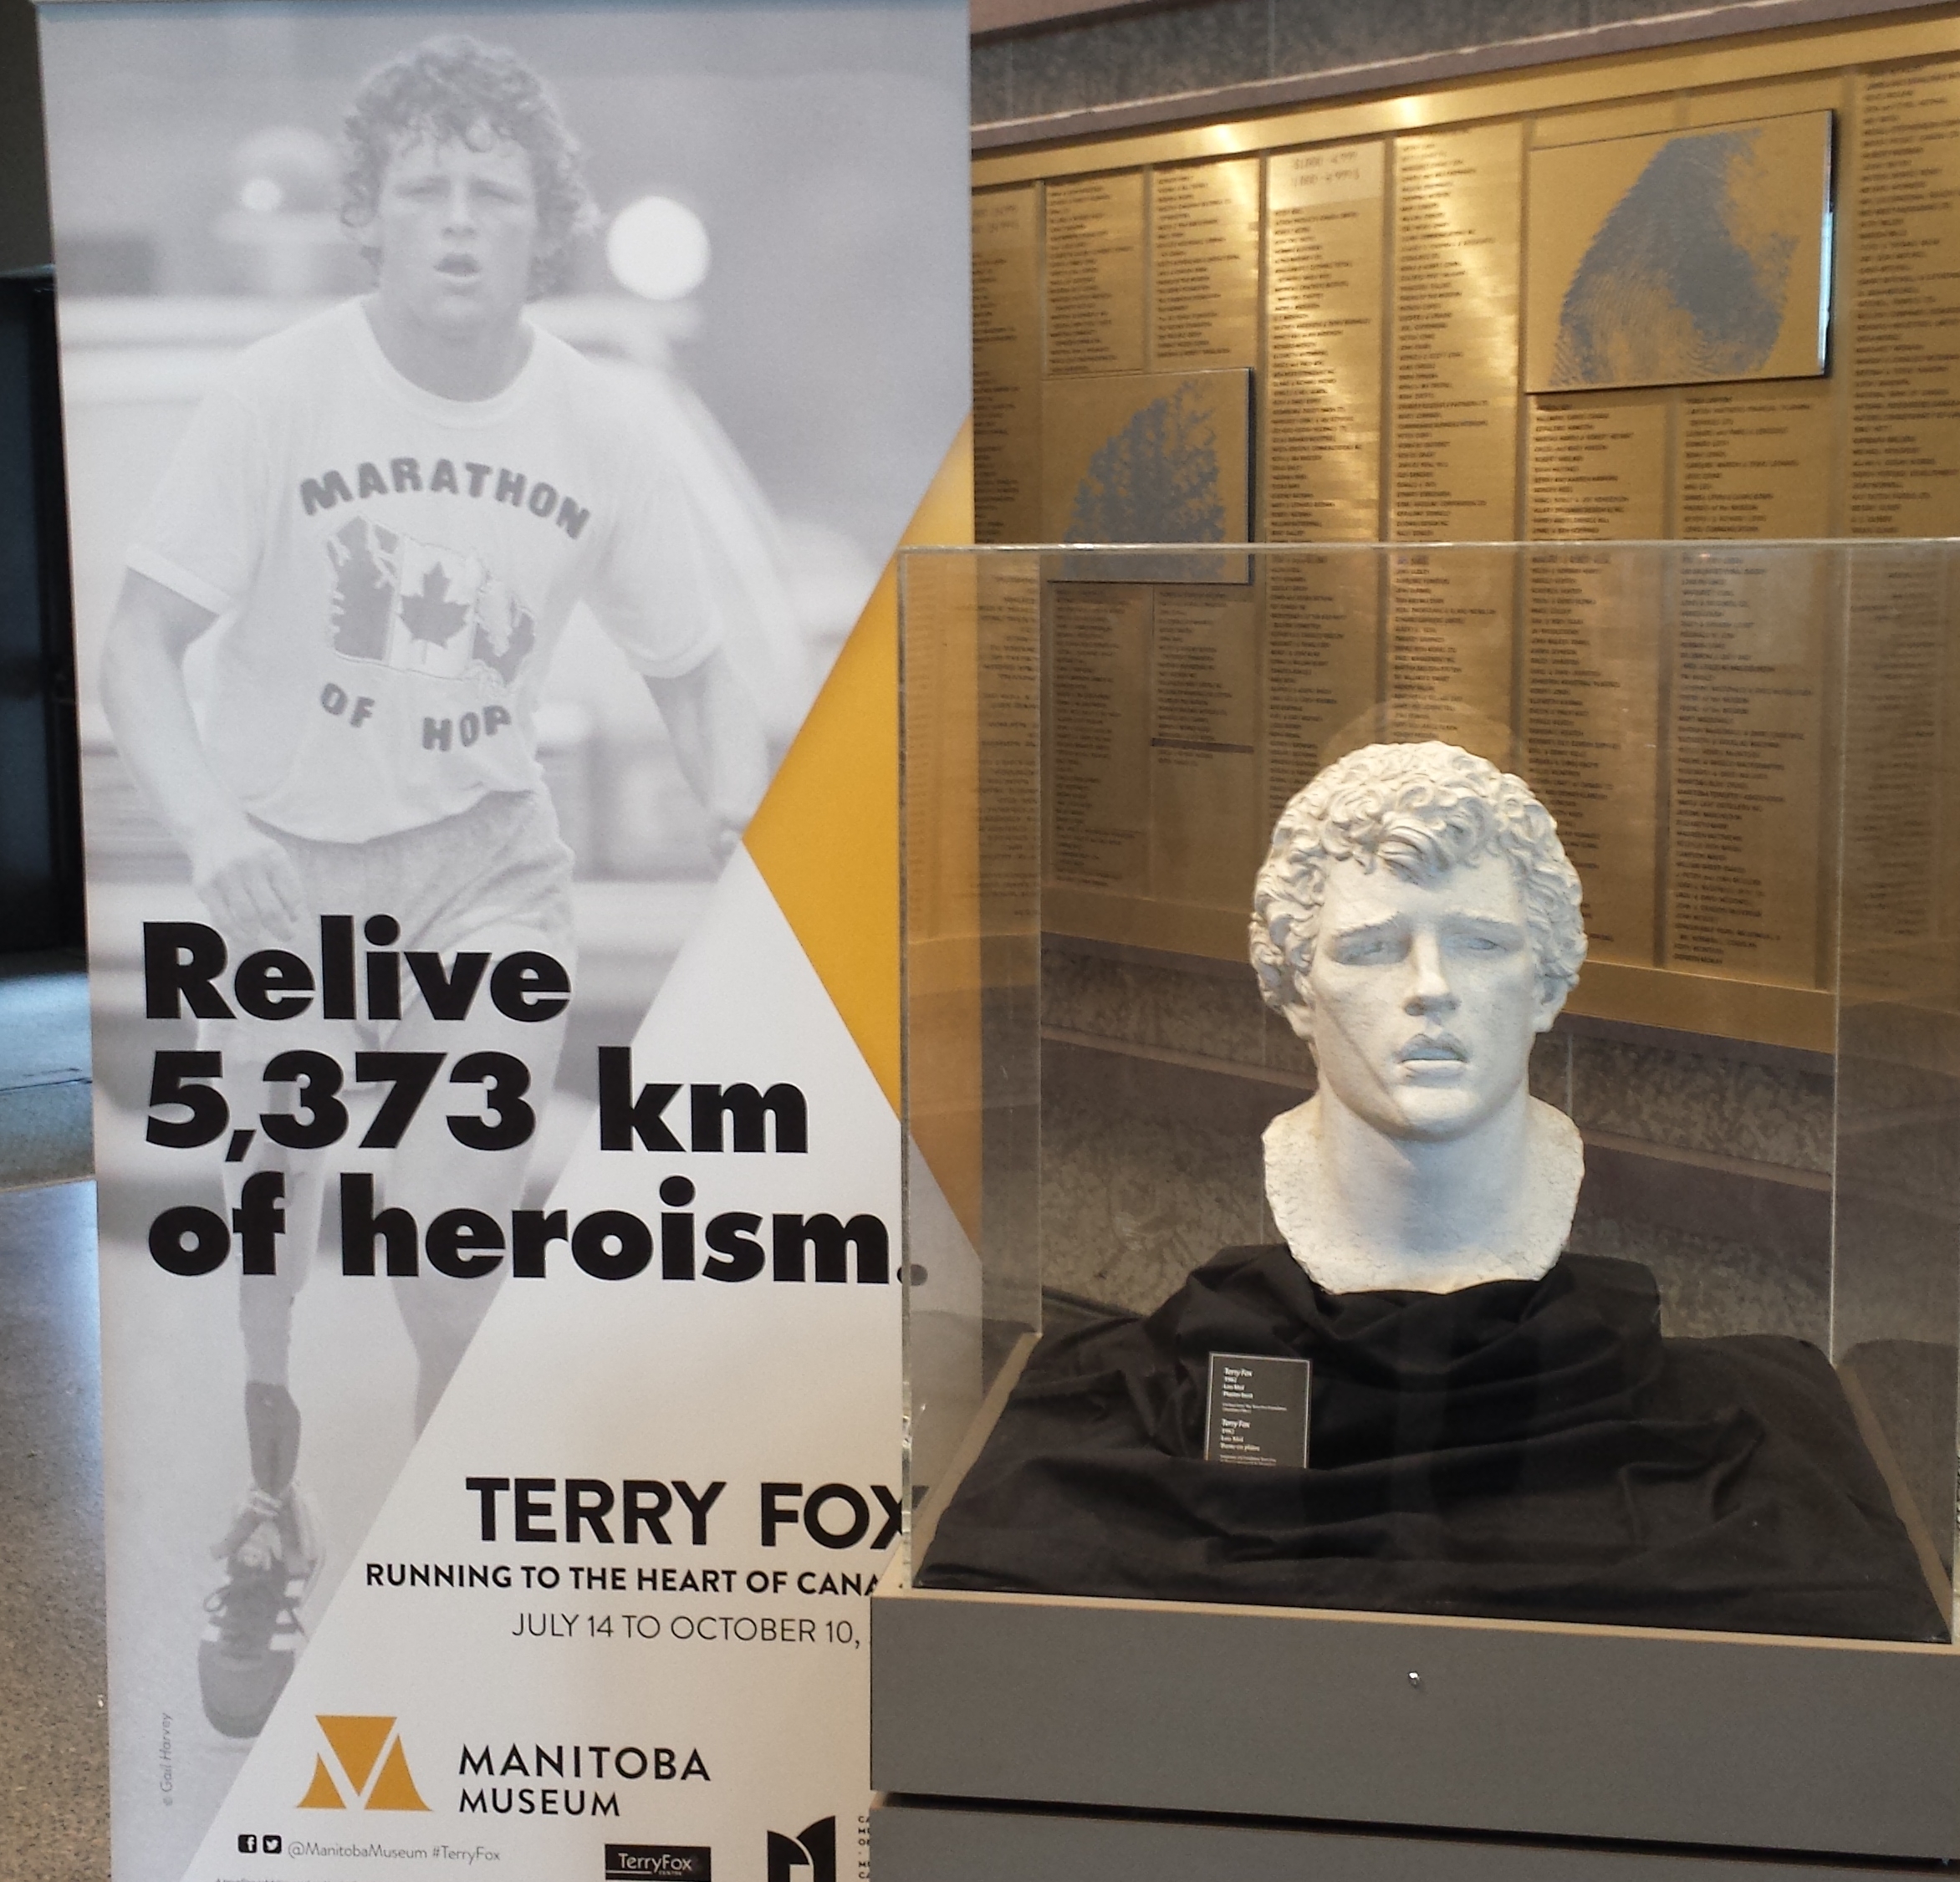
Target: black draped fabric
x,y
1524,1449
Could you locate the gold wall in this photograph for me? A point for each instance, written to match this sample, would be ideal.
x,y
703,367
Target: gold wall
x,y
1391,274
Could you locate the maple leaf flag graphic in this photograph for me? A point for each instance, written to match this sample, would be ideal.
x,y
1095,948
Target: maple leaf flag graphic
x,y
432,615
407,605
436,599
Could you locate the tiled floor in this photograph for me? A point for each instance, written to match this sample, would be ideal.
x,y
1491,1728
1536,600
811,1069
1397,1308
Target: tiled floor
x,y
53,1750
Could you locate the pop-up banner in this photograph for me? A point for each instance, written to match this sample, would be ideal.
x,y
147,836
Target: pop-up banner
x,y
489,432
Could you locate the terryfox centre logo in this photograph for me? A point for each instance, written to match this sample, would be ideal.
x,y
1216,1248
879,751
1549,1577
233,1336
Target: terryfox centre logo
x,y
368,1769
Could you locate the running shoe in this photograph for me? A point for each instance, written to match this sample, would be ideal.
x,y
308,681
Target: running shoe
x,y
253,1631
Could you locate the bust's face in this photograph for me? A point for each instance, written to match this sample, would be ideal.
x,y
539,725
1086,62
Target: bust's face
x,y
1423,997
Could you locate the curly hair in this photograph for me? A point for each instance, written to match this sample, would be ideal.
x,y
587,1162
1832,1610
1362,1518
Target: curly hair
x,y
458,87
1418,810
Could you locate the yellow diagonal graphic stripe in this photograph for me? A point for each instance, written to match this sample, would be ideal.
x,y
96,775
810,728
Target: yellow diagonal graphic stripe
x,y
826,837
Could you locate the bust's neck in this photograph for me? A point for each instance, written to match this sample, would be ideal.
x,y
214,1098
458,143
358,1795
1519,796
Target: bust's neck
x,y
1363,1210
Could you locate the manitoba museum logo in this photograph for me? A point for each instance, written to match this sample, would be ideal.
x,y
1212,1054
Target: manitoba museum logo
x,y
363,1768
813,1849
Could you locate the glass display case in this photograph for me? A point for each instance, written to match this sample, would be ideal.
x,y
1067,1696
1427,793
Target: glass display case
x,y
1685,1480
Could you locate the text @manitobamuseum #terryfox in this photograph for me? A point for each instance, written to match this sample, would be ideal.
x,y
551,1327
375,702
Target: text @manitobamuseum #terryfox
x,y
314,1101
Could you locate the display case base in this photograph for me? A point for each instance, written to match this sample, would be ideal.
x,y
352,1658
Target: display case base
x,y
914,1840
1420,1723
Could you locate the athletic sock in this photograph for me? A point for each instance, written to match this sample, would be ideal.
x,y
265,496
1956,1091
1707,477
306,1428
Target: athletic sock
x,y
272,1431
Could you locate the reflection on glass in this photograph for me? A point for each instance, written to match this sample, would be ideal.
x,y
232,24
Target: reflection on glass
x,y
1729,1400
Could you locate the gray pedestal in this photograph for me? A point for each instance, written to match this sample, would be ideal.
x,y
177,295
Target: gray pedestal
x,y
916,1843
1508,1729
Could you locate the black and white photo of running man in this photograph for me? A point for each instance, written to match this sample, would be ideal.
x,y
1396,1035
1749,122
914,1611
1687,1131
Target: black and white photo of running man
x,y
350,505
463,419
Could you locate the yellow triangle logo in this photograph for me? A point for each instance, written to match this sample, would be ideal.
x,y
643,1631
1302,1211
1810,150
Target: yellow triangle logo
x,y
357,1743
395,1789
320,1795
826,837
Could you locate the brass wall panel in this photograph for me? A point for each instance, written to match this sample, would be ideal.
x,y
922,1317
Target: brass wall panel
x,y
1321,441
1008,593
1149,457
1322,664
1095,275
1007,366
1590,124
1596,467
1745,822
1825,91
1753,462
1382,299
1204,242
1905,292
1947,855
1894,782
1590,733
1450,649
1205,838
1454,397
1680,257
1097,757
1590,723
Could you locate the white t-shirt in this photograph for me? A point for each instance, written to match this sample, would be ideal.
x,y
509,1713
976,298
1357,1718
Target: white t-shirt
x,y
391,570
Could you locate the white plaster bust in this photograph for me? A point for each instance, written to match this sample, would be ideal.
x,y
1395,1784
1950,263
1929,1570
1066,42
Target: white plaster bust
x,y
1418,925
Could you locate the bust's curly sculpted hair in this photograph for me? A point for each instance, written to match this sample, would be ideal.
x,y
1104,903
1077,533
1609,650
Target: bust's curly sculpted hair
x,y
1417,810
458,87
